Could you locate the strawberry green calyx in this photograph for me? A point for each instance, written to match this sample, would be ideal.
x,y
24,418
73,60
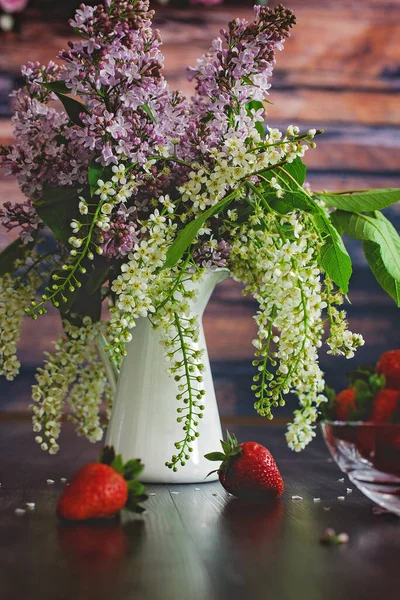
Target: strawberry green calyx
x,y
230,449
130,471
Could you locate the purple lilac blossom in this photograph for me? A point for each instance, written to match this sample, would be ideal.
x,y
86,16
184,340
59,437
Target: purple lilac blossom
x,y
236,70
122,236
132,116
40,155
212,254
20,215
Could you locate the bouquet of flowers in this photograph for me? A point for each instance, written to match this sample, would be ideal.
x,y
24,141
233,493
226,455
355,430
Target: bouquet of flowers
x,y
133,191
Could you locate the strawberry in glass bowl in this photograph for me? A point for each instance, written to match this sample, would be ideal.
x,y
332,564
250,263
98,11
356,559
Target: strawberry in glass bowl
x,y
361,427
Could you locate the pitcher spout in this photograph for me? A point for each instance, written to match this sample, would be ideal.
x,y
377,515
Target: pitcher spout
x,y
205,287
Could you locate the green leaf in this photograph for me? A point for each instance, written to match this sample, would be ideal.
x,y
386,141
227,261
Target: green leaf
x,y
255,105
55,195
366,201
148,112
247,80
333,257
278,205
391,285
374,227
291,178
17,250
215,456
133,502
338,225
96,278
186,236
118,464
58,87
136,487
260,128
296,169
107,455
57,207
133,468
80,302
73,109
95,172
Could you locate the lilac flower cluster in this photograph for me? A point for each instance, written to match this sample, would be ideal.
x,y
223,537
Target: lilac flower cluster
x,y
21,215
212,254
236,70
130,116
122,236
40,154
117,68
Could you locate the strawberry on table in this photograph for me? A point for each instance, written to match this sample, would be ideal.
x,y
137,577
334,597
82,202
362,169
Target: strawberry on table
x,y
100,490
389,366
248,470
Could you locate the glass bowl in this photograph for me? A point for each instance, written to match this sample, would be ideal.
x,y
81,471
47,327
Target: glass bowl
x,y
370,455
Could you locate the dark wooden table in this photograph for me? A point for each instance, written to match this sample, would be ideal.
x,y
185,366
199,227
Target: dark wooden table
x,y
194,542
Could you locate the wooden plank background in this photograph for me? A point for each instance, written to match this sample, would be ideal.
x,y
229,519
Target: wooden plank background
x,y
340,71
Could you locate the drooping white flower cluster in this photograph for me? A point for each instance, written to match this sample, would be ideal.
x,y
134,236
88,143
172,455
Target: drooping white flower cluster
x,y
14,296
86,395
278,262
239,158
341,341
74,361
135,287
179,331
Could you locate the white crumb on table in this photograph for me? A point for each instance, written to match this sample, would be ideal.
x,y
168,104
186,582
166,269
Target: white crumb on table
x,y
317,499
341,480
20,512
63,480
50,481
30,505
297,498
175,493
341,498
349,490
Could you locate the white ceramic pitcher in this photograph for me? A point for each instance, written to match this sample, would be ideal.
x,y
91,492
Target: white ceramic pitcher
x,y
143,421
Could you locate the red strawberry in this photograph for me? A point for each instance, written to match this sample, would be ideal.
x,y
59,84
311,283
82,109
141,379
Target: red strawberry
x,y
248,471
96,491
345,404
389,365
385,406
99,490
